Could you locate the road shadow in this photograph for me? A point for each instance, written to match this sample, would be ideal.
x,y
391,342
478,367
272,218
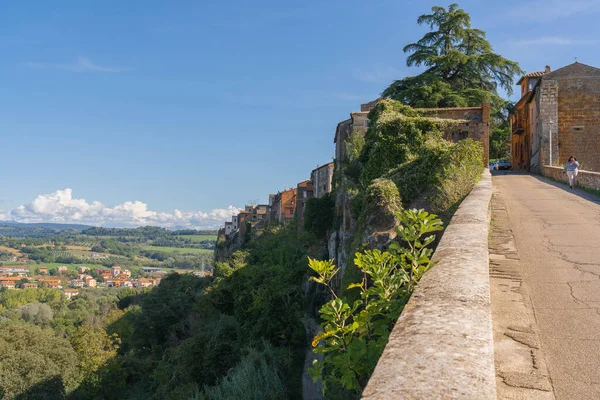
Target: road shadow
x,y
577,191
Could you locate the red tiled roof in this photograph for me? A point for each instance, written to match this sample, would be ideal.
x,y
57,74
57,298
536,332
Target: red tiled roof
x,y
535,74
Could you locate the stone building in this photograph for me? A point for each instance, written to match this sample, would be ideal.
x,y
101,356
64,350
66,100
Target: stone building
x,y
228,228
560,107
254,216
524,150
243,217
563,109
282,206
321,178
304,192
475,124
358,122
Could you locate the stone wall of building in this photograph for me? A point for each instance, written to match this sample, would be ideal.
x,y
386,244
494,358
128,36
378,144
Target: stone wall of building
x,y
304,192
579,122
321,178
477,127
547,103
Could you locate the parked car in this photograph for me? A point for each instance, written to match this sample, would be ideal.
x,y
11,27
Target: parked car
x,y
493,165
503,164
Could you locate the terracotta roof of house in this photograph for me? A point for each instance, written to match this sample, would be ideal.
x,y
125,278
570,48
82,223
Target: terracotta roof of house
x,y
323,166
535,74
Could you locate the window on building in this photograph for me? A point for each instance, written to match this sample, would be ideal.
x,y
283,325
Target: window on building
x,y
367,122
577,129
531,83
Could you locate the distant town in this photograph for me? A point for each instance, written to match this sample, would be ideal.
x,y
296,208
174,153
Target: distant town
x,y
19,278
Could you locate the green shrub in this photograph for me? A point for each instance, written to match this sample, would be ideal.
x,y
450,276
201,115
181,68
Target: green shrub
x,y
441,175
383,193
319,215
395,138
254,378
355,332
462,170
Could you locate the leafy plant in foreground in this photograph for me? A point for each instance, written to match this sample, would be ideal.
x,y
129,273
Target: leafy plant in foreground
x,y
355,334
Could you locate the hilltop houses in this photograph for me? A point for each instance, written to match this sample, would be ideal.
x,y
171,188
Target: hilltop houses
x,y
290,204
321,179
284,206
304,192
557,116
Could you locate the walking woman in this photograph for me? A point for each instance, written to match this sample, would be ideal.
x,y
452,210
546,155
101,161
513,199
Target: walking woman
x,y
571,170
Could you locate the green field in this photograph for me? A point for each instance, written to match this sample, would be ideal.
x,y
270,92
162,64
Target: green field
x,y
165,249
198,238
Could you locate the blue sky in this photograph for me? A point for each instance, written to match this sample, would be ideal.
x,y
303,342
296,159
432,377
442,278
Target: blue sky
x,y
197,106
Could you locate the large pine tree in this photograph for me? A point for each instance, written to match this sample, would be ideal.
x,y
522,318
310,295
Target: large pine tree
x,y
461,67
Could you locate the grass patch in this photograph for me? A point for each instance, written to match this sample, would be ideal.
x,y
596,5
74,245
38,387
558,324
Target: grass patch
x,y
198,238
178,250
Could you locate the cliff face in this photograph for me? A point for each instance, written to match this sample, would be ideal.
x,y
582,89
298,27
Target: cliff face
x,y
225,247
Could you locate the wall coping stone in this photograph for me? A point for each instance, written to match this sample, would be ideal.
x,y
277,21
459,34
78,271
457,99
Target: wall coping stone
x,y
586,179
442,345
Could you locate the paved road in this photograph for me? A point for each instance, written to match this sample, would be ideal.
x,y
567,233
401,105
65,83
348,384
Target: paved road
x,y
545,274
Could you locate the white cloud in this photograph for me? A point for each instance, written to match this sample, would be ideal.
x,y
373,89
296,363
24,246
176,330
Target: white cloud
x,y
379,73
554,41
82,64
551,10
61,207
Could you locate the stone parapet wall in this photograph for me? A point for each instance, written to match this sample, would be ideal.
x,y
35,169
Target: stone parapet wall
x,y
442,345
586,179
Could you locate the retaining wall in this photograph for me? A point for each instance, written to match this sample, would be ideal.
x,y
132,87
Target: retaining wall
x,y
587,179
442,345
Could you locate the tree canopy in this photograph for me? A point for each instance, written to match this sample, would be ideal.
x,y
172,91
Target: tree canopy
x,y
461,66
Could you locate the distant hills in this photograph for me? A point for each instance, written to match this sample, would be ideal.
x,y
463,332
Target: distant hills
x,y
48,229
46,225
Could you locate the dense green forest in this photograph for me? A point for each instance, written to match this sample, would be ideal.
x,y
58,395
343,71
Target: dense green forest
x,y
189,337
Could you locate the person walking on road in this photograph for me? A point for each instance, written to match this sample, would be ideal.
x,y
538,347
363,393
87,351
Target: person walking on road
x,y
571,168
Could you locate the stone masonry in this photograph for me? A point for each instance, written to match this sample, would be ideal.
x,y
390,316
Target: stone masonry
x,y
547,104
568,100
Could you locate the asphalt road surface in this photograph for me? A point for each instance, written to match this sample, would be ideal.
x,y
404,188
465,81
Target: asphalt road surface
x,y
545,276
